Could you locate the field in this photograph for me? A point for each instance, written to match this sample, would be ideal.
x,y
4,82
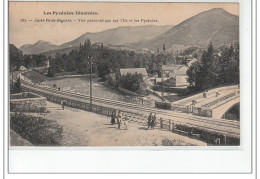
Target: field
x,y
99,89
82,86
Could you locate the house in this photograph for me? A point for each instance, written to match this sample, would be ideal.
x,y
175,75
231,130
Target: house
x,y
179,77
167,69
132,71
176,74
181,71
22,68
179,81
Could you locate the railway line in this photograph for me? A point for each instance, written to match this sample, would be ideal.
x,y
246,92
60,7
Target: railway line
x,y
226,127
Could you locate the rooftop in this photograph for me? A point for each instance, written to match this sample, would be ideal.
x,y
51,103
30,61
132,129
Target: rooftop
x,y
124,71
171,67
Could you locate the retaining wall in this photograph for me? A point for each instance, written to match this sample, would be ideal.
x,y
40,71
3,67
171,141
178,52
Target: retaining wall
x,y
27,102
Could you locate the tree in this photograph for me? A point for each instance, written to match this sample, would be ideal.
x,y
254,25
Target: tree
x,y
206,74
16,88
15,57
103,69
132,82
230,65
51,72
112,80
194,76
216,68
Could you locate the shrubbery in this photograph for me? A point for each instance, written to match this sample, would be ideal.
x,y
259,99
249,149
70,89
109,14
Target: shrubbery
x,y
51,72
37,130
133,83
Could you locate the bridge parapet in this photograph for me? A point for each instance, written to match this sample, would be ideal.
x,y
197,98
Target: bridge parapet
x,y
214,102
207,110
212,92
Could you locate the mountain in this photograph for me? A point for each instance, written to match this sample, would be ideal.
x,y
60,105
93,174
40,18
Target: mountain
x,y
215,25
117,38
121,35
38,47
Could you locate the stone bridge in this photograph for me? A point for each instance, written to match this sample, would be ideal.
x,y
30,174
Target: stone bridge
x,y
215,103
221,110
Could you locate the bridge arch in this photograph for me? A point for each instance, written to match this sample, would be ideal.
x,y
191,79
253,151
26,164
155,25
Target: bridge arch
x,y
221,110
232,110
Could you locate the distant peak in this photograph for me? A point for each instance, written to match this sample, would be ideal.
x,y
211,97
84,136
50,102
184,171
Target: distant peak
x,y
43,42
217,10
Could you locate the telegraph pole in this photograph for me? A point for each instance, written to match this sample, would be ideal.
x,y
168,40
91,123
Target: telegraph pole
x,y
90,86
162,79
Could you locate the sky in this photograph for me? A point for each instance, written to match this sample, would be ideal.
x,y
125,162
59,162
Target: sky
x,y
29,32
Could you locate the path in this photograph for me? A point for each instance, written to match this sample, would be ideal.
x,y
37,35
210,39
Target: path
x,y
81,128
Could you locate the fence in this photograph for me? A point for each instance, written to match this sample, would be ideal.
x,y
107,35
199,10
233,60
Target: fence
x,y
212,138
180,107
74,103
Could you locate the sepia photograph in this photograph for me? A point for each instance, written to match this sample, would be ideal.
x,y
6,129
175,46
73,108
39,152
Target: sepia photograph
x,y
123,74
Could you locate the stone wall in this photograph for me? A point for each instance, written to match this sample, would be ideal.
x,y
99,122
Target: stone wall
x,y
23,95
35,104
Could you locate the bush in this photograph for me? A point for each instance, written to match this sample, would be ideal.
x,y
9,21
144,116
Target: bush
x,y
133,83
112,80
51,72
37,130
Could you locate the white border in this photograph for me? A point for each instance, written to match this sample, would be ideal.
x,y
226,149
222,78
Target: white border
x,y
175,161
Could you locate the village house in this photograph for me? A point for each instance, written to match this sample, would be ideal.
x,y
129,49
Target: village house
x,y
132,71
168,69
176,74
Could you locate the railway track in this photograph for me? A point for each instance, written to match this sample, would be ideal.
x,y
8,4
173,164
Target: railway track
x,y
223,126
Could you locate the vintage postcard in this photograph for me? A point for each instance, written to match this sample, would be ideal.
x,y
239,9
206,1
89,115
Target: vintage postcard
x,y
124,74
